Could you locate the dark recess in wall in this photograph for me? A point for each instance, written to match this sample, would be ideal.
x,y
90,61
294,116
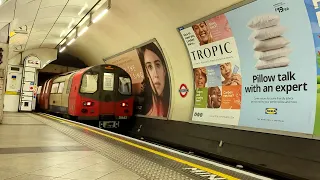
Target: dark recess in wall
x,y
43,76
276,156
65,59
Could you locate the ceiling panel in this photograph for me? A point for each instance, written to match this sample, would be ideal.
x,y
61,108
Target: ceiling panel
x,y
34,43
2,25
45,20
22,2
71,11
67,20
49,12
38,35
7,11
50,20
42,27
50,3
50,43
27,12
81,2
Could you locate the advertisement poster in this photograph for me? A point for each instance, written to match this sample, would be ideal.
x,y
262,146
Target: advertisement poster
x,y
268,48
216,68
314,17
150,79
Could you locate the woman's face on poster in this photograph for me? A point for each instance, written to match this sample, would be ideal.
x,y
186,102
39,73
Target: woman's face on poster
x,y
202,32
156,71
226,70
200,78
215,97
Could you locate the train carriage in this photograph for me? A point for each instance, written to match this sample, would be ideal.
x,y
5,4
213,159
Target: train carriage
x,y
100,92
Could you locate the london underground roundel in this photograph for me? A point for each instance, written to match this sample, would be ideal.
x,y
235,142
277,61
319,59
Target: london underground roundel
x,y
183,90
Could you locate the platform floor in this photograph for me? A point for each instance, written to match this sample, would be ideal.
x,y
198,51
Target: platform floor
x,y
32,150
45,147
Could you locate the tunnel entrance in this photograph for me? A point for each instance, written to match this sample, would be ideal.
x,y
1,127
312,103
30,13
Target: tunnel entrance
x,y
64,63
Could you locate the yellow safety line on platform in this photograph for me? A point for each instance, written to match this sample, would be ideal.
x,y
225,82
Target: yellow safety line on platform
x,y
148,149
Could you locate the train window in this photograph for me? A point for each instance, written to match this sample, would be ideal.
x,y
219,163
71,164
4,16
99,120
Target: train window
x,y
89,83
39,90
61,86
54,88
108,81
125,85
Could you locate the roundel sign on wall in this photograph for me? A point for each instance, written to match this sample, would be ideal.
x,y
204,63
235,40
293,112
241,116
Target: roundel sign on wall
x,y
183,90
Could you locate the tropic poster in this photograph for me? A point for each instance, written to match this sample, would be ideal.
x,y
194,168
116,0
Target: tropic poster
x,y
150,79
270,50
216,67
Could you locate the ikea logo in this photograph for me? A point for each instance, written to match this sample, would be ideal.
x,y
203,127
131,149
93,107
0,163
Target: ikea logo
x,y
271,110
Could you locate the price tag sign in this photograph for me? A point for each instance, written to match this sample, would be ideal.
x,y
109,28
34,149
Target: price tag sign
x,y
281,7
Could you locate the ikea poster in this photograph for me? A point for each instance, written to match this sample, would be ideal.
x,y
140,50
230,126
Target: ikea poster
x,y
314,16
255,66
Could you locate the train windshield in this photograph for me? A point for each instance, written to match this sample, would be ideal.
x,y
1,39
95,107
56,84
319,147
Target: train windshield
x,y
125,85
89,83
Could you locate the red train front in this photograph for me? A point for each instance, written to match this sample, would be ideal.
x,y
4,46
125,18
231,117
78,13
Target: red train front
x,y
100,92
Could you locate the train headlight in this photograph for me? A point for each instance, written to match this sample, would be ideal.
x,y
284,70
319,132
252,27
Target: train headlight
x,y
124,104
88,103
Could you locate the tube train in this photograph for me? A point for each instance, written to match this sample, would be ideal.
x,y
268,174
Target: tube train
x,y
102,92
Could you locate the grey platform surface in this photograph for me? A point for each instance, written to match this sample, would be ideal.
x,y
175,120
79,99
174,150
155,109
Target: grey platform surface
x,y
41,147
32,150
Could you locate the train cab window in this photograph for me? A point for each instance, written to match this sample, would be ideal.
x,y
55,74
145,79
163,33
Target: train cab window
x,y
54,88
108,81
60,89
125,85
89,83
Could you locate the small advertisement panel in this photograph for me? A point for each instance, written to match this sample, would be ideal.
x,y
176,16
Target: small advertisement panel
x,y
147,67
255,66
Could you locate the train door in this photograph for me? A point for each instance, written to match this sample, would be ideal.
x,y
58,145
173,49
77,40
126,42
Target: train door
x,y
46,97
41,98
65,94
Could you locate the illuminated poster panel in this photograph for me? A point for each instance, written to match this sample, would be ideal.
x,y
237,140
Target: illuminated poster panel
x,y
255,66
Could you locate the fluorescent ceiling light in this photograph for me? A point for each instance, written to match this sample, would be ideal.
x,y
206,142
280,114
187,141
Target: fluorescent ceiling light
x,y
62,49
82,9
71,23
97,18
85,29
71,41
63,41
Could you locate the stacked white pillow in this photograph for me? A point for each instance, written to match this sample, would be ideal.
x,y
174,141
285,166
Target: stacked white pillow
x,y
270,47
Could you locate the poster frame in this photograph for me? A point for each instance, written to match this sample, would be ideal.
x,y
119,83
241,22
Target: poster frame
x,y
153,40
237,127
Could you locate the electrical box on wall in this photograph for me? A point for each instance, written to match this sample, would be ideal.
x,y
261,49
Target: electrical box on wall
x,y
13,86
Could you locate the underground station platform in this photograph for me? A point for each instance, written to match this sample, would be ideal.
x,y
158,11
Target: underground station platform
x,y
37,146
